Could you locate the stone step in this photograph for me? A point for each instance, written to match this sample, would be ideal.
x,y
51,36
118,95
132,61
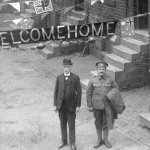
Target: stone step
x,y
78,14
25,16
53,47
142,35
125,52
74,20
14,26
46,53
66,23
30,12
111,71
145,120
117,61
84,83
98,54
24,46
134,44
5,47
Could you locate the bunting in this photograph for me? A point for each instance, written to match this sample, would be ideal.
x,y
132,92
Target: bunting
x,y
94,1
127,27
14,4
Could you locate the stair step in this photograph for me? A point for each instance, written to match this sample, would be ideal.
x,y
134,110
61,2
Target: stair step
x,y
74,20
14,26
46,53
55,48
30,12
142,35
78,14
84,83
134,44
98,54
125,52
25,15
111,71
66,23
117,61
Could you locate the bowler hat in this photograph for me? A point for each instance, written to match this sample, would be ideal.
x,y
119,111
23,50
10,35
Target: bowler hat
x,y
67,61
101,64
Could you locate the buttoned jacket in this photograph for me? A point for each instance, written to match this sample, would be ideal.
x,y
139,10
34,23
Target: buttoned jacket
x,y
96,96
73,94
97,89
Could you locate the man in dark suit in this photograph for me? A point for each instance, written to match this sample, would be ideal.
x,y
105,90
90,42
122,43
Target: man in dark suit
x,y
67,100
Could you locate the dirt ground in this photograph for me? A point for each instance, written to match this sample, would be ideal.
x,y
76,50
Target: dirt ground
x,y
27,117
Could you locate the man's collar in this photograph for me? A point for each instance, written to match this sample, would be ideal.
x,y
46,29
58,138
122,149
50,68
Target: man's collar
x,y
67,75
101,77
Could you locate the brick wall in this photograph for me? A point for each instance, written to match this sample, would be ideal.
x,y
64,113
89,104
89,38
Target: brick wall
x,y
65,3
57,15
104,12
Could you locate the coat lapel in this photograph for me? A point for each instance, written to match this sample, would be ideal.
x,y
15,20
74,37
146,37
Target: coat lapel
x,y
62,80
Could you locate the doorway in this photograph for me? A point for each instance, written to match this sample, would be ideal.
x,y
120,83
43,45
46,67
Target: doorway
x,y
142,8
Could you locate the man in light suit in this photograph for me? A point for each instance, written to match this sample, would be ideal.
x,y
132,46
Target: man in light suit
x,y
67,100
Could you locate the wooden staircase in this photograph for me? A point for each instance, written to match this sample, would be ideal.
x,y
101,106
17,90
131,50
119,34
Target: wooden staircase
x,y
128,62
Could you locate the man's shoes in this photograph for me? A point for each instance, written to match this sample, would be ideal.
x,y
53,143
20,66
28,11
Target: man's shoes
x,y
108,145
73,147
62,145
98,144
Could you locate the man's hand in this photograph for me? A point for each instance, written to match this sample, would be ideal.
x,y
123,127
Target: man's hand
x,y
55,110
91,109
77,109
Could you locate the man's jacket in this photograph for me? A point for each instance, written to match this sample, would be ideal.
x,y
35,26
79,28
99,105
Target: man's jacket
x,y
97,90
114,95
73,93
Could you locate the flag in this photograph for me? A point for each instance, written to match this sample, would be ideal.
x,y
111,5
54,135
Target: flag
x,y
16,21
27,2
24,23
42,6
127,27
94,1
66,9
15,5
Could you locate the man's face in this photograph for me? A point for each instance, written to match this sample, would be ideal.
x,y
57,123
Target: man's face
x,y
101,71
67,68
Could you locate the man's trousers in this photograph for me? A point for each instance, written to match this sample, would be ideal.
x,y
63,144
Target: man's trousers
x,y
101,124
65,117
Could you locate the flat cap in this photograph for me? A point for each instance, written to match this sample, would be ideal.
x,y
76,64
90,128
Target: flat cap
x,y
101,64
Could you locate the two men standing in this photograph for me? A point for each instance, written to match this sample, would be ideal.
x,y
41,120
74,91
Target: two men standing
x,y
67,100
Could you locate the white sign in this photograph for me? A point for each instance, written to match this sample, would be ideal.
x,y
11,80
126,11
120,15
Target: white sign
x,y
42,6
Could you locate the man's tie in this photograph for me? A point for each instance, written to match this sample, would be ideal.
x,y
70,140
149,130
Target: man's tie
x,y
66,77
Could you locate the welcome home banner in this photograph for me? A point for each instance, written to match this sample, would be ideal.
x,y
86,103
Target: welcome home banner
x,y
36,35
